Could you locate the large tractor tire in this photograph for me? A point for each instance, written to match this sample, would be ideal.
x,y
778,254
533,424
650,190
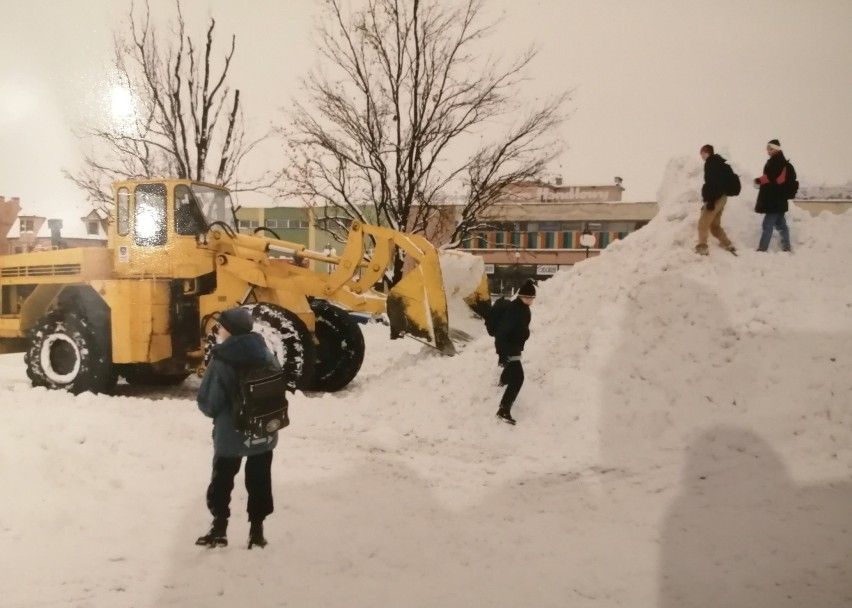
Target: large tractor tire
x,y
143,374
64,353
286,336
341,347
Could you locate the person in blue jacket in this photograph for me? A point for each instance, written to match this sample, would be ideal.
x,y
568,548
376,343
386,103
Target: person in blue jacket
x,y
237,344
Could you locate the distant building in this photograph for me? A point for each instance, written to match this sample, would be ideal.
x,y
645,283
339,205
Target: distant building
x,y
833,199
538,228
9,210
38,233
533,231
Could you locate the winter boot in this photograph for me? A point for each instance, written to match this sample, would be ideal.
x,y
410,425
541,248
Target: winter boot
x,y
731,249
702,250
216,536
256,538
504,415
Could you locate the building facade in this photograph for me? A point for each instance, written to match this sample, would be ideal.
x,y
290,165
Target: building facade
x,y
538,228
38,233
533,231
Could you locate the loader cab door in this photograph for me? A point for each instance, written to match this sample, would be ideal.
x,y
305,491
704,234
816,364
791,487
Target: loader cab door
x,y
156,231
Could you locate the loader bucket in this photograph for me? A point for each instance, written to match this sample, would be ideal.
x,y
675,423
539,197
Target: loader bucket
x,y
435,301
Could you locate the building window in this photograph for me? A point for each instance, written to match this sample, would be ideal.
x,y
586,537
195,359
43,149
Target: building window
x,y
123,211
19,249
27,226
500,238
532,240
516,238
619,226
248,224
325,223
274,223
568,240
550,240
93,227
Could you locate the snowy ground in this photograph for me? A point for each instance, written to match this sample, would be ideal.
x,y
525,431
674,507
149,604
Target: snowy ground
x,y
684,439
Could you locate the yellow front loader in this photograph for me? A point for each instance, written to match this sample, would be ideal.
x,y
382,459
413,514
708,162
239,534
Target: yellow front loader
x,y
145,307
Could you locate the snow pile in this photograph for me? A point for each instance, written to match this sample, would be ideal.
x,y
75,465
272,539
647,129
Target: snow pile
x,y
461,273
684,439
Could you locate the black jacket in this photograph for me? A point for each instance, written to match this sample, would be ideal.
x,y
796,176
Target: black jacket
x,y
772,197
513,330
716,172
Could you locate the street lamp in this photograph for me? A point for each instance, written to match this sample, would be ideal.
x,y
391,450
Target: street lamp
x,y
587,239
517,270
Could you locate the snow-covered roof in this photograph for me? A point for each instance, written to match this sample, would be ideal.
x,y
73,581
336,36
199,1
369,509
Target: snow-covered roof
x,y
72,227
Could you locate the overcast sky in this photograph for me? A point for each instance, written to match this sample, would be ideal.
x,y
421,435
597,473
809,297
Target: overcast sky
x,y
653,79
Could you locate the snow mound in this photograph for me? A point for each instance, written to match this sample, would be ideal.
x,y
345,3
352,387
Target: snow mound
x,y
635,352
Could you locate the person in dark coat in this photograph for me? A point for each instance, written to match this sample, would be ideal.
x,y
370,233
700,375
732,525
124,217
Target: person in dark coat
x,y
772,199
238,345
511,334
716,176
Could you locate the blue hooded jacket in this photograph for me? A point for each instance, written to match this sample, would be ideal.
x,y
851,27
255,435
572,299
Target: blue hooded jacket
x,y
218,386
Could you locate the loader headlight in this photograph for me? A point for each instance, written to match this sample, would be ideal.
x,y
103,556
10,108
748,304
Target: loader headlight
x,y
273,425
201,239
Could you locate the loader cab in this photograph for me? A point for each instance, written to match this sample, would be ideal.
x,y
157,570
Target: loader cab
x,y
157,224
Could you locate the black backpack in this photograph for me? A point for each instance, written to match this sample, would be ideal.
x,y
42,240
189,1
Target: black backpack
x,y
494,314
260,404
732,185
791,183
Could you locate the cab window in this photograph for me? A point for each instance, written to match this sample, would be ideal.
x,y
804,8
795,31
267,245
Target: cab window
x,y
188,218
123,211
149,215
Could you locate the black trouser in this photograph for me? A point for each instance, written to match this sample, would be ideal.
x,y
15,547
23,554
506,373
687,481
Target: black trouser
x,y
258,484
513,378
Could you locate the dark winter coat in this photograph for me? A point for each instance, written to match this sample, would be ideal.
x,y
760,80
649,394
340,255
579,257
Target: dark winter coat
x,y
772,197
513,330
219,385
716,176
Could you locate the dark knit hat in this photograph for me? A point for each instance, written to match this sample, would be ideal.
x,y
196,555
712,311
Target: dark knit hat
x,y
237,321
527,290
709,149
774,143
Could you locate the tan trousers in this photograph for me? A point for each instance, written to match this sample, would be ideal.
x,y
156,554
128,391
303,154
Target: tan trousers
x,y
710,222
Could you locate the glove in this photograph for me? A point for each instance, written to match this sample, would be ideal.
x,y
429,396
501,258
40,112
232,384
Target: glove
x,y
756,181
502,360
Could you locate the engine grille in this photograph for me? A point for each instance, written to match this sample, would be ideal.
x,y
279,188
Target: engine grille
x,y
42,270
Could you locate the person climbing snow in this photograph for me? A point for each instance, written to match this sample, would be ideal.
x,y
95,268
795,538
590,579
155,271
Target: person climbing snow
x,y
511,333
714,194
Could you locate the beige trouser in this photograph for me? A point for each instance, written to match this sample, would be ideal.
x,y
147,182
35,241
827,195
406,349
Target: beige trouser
x,y
710,222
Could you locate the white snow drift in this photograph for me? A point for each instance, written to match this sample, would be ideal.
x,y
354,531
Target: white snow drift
x,y
684,439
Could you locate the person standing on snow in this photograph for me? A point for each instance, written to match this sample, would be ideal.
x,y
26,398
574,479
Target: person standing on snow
x,y
772,199
716,177
513,330
238,345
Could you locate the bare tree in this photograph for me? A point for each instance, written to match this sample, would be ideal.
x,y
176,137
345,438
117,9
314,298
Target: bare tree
x,y
404,112
181,120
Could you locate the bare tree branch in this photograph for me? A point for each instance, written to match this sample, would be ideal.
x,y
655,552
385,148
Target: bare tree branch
x,y
396,109
177,126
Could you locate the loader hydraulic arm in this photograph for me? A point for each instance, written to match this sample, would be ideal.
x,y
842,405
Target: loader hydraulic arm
x,y
416,306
